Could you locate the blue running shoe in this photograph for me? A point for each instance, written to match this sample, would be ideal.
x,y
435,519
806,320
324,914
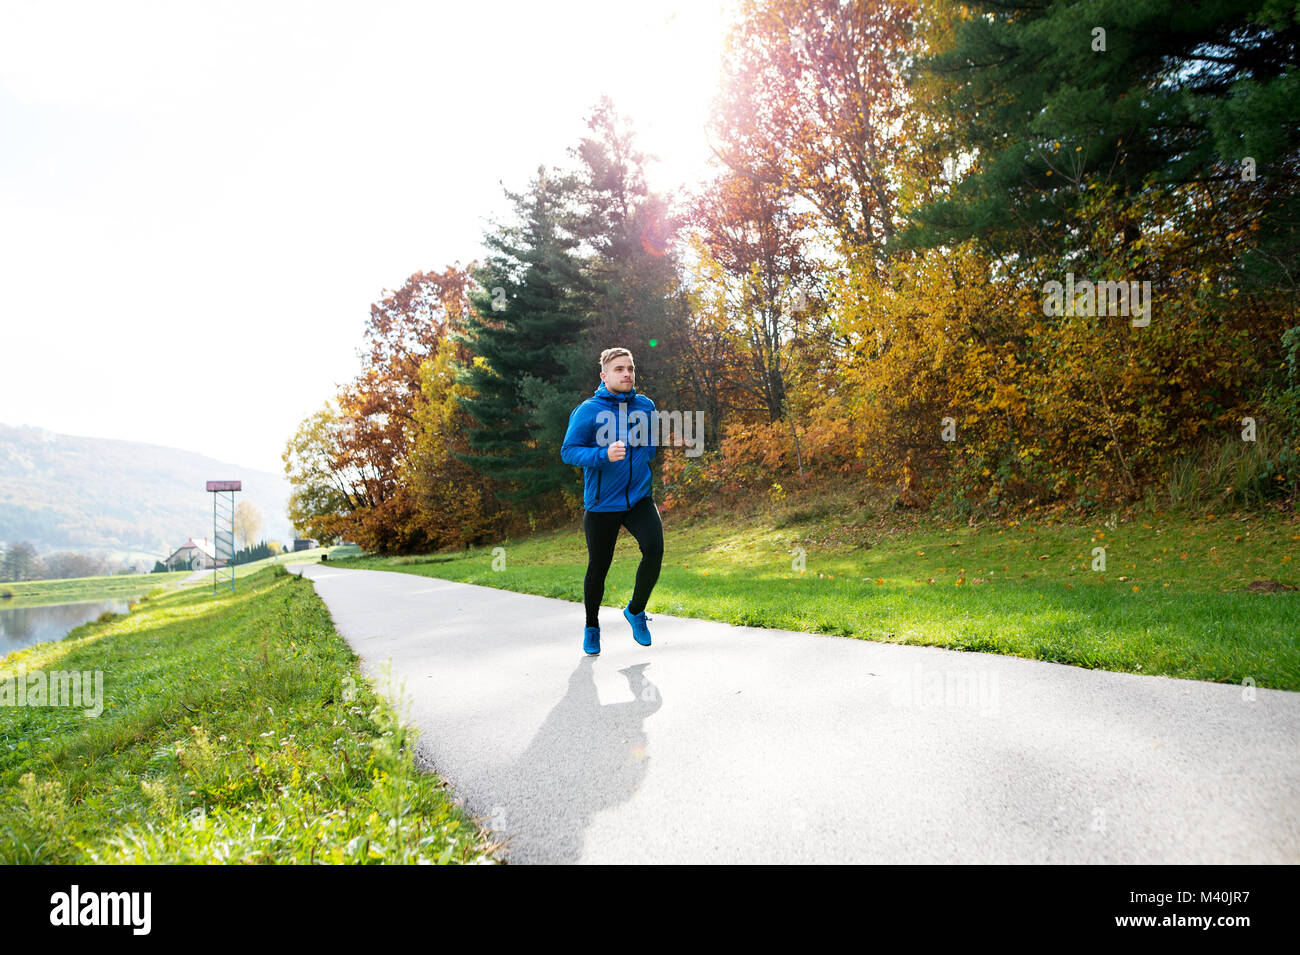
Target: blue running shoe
x,y
591,640
640,633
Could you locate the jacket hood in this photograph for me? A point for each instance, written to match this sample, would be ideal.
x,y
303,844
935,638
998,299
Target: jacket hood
x,y
603,392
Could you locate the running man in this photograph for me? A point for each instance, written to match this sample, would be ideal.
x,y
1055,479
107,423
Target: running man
x,y
611,437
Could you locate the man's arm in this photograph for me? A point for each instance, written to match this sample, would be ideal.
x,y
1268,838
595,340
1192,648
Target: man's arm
x,y
579,448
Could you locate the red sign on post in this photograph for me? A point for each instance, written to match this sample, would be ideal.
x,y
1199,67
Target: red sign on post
x,y
224,486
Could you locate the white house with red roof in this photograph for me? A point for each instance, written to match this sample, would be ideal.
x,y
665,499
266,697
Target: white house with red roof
x,y
197,553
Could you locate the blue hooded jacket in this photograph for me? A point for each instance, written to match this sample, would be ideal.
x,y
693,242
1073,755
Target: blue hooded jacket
x,y
593,426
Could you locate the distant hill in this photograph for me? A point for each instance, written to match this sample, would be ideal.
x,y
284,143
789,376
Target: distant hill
x,y
64,492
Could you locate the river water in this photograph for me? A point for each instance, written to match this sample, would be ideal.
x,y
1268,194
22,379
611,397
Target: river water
x,y
22,627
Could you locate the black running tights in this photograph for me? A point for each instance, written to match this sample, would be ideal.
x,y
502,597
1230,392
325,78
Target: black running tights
x,y
601,528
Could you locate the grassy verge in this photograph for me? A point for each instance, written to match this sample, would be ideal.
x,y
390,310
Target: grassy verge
x,y
1172,599
234,729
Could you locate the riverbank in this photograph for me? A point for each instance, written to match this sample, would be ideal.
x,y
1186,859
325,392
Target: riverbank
x,y
36,593
234,728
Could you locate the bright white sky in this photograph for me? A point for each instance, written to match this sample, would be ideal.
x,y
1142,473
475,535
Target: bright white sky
x,y
200,200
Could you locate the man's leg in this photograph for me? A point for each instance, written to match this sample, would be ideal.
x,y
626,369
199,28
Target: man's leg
x,y
648,529
601,529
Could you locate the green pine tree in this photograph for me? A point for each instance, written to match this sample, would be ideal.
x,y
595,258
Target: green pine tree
x,y
1050,97
525,333
632,269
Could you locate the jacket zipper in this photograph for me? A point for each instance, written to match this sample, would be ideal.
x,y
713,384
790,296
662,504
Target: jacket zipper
x,y
627,491
599,475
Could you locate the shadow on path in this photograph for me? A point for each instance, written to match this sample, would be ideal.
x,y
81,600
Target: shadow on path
x,y
584,758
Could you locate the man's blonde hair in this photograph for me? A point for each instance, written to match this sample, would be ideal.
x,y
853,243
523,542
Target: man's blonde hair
x,y
609,354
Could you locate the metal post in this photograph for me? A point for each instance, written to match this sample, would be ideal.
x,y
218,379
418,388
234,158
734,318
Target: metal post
x,y
223,532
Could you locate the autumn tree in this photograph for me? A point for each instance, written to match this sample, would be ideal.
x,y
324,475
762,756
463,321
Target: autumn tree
x,y
809,125
379,409
936,382
813,106
248,521
326,489
710,346
755,240
456,504
405,329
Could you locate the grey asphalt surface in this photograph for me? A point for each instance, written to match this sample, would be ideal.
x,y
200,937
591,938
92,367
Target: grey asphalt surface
x,y
738,744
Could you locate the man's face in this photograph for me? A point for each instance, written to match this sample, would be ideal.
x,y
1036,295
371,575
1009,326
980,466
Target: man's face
x,y
619,374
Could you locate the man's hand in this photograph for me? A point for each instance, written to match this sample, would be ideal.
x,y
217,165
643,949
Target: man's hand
x,y
617,451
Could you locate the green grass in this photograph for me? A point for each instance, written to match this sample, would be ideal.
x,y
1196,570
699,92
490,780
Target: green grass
x,y
1172,599
235,729
36,593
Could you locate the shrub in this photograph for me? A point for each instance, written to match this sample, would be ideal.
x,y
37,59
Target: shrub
x,y
1232,471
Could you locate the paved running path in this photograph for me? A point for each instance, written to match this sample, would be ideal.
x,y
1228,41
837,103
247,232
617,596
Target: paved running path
x,y
738,744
